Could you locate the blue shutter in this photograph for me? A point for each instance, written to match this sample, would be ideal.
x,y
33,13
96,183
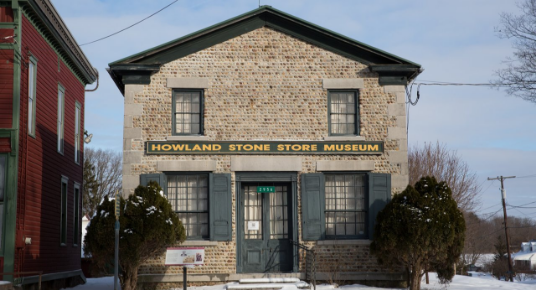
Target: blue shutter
x,y
313,200
379,195
160,178
220,208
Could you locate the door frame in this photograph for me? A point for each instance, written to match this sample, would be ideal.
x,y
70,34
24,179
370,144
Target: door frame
x,y
290,177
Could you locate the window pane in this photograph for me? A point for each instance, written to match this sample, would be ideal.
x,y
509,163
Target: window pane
x,y
191,192
345,204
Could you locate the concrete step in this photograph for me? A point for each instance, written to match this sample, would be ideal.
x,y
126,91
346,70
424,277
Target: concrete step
x,y
268,280
267,286
5,285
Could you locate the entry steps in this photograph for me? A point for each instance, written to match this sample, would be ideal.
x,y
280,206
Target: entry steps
x,y
268,284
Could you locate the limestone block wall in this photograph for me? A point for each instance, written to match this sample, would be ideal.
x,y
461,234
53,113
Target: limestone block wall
x,y
264,85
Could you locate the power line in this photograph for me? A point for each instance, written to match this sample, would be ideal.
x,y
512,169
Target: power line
x,y
130,25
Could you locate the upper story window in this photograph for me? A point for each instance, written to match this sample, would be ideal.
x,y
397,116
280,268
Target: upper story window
x,y
61,117
32,82
343,112
77,130
187,112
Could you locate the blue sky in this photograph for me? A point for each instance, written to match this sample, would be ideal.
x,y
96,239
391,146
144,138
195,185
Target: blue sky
x,y
453,40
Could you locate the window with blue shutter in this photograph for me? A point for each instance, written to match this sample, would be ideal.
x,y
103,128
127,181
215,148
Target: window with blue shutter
x,y
203,202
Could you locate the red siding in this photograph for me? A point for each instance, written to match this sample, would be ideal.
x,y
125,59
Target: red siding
x,y
41,166
6,88
6,14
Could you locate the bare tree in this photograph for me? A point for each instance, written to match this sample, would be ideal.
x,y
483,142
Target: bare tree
x,y
519,75
445,165
102,177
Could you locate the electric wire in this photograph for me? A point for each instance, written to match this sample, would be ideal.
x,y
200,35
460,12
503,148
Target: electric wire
x,y
102,38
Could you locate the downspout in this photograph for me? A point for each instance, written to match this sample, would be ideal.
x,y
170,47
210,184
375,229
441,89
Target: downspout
x,y
97,73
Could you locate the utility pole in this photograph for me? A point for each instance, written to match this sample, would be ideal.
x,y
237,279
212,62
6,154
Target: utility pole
x,y
502,178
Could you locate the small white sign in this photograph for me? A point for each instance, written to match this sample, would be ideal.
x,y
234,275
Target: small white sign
x,y
253,225
185,256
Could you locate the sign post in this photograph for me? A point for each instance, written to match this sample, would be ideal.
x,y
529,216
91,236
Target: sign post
x,y
186,257
116,258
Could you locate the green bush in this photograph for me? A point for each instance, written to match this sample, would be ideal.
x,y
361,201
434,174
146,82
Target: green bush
x,y
421,229
148,226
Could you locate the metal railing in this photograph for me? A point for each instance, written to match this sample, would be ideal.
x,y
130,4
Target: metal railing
x,y
23,274
309,257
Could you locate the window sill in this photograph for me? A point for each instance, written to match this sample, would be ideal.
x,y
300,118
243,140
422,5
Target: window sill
x,y
343,242
200,243
344,138
187,138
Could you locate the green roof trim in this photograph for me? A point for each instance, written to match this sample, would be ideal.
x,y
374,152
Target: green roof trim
x,y
272,18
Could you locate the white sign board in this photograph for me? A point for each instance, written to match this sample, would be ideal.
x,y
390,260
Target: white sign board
x,y
253,225
185,256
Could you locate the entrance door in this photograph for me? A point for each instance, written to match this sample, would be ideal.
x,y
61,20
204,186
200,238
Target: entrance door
x,y
265,219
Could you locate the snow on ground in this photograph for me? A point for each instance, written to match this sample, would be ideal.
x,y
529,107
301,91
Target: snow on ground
x,y
458,283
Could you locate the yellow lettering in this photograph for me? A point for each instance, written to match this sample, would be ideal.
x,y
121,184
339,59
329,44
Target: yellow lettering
x,y
166,147
196,148
306,147
339,147
232,147
347,147
176,147
329,147
287,147
216,147
156,147
314,147
296,147
355,147
248,147
266,147
257,147
239,147
207,147
373,147
362,147
280,147
187,147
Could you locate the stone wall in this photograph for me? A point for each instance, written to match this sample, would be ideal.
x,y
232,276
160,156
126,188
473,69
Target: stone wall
x,y
265,85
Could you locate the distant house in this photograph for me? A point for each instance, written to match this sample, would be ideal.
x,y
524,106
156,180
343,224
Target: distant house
x,y
527,256
43,74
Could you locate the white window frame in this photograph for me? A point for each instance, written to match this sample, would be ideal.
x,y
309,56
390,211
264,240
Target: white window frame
x,y
77,130
64,200
61,118
32,85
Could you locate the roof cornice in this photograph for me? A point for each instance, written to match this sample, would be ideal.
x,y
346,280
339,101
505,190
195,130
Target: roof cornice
x,y
50,18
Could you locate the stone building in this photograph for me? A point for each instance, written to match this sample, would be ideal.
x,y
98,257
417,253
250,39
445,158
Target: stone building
x,y
266,130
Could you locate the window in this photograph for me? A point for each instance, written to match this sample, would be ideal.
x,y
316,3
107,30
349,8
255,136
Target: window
x,y
203,202
342,205
76,214
32,82
188,195
63,218
3,173
61,103
77,113
346,205
343,113
187,112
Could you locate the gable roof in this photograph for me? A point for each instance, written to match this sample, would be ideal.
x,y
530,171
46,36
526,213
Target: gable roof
x,y
137,68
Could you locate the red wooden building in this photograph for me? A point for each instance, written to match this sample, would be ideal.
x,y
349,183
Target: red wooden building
x,y
43,74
